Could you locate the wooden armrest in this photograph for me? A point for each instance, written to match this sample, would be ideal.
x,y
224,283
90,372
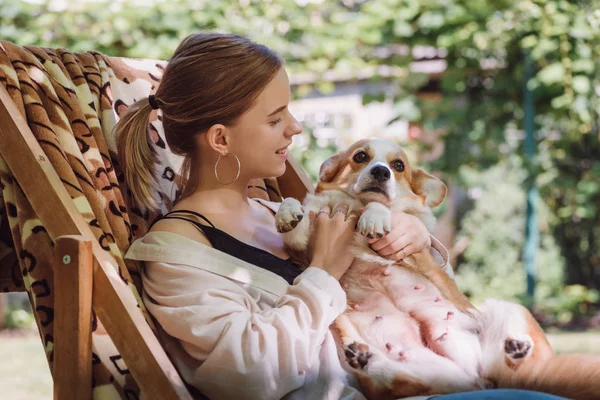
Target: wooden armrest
x,y
294,182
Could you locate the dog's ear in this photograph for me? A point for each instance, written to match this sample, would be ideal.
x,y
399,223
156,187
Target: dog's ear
x,y
428,186
330,168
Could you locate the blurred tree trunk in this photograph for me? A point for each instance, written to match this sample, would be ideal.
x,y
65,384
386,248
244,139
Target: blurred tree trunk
x,y
580,236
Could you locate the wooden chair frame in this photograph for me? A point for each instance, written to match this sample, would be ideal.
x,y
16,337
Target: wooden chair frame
x,y
86,277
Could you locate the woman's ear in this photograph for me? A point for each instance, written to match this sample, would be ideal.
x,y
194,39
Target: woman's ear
x,y
217,139
330,168
429,187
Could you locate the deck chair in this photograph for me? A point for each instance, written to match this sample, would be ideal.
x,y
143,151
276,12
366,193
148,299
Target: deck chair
x,y
67,218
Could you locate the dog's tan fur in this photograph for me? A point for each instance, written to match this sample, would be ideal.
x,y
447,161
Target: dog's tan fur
x,y
420,191
408,329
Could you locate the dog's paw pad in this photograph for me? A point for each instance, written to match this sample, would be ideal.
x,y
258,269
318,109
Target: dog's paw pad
x,y
517,349
296,220
286,227
358,355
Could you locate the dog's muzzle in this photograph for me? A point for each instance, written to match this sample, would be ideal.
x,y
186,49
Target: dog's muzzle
x,y
380,173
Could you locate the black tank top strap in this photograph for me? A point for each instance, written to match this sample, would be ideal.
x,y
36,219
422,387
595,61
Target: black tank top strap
x,y
170,215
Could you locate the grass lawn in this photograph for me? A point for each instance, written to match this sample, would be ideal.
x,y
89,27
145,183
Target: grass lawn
x,y
24,373
575,342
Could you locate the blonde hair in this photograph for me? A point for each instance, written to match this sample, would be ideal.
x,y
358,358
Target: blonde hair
x,y
211,79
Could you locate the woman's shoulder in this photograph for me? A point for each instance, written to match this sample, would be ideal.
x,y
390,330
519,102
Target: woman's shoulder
x,y
164,243
166,239
179,227
168,251
165,228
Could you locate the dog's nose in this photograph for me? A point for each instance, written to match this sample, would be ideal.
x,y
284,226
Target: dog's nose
x,y
380,173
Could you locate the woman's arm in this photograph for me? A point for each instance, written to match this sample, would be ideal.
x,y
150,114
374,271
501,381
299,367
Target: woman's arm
x,y
247,350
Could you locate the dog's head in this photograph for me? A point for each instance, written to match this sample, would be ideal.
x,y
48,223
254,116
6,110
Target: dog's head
x,y
379,170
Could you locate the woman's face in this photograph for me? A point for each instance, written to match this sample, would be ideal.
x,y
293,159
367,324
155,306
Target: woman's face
x,y
261,136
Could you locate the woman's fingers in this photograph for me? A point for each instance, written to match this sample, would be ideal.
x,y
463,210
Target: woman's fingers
x,y
334,232
408,236
379,244
340,211
405,252
353,217
312,216
395,246
324,212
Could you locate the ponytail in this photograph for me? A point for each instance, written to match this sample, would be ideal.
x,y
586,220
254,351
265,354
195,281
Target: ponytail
x,y
136,153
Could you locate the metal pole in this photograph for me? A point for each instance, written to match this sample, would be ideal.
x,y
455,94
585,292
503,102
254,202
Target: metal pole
x,y
532,235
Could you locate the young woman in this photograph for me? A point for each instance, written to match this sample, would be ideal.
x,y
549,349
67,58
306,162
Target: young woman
x,y
241,320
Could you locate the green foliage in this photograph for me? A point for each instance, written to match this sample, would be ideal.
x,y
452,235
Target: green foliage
x,y
481,111
494,225
310,37
18,318
482,114
572,303
492,266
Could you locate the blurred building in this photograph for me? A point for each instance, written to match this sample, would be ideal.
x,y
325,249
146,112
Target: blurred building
x,y
339,116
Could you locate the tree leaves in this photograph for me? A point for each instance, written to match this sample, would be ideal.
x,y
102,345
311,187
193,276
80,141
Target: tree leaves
x,y
483,44
553,73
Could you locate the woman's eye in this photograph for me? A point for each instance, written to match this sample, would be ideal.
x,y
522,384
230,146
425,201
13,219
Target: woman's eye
x,y
398,165
273,123
360,157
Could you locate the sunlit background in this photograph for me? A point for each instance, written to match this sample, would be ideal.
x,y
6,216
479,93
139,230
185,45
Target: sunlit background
x,y
500,99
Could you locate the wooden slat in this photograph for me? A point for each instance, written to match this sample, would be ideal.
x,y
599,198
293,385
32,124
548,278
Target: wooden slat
x,y
113,301
294,182
72,363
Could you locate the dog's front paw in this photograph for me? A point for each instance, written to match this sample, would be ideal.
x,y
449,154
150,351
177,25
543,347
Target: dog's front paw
x,y
357,355
289,215
376,221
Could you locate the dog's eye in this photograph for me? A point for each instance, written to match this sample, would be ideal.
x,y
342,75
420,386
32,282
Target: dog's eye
x,y
398,165
361,157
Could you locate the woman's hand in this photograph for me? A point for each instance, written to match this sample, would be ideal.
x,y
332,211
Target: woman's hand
x,y
331,240
408,235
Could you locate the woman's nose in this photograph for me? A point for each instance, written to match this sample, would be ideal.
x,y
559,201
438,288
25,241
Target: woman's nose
x,y
294,128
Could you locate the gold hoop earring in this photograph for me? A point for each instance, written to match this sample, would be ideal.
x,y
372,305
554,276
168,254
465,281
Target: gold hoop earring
x,y
238,169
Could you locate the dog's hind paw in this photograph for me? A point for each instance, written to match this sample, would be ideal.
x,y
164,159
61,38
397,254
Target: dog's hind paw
x,y
289,215
357,355
517,349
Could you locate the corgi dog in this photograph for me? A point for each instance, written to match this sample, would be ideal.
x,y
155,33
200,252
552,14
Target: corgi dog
x,y
408,330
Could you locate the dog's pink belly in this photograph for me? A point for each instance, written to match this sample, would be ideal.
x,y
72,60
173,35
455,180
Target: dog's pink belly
x,y
382,325
403,311
393,330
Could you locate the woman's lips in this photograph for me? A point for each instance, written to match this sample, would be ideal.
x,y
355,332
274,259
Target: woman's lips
x,y
282,152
